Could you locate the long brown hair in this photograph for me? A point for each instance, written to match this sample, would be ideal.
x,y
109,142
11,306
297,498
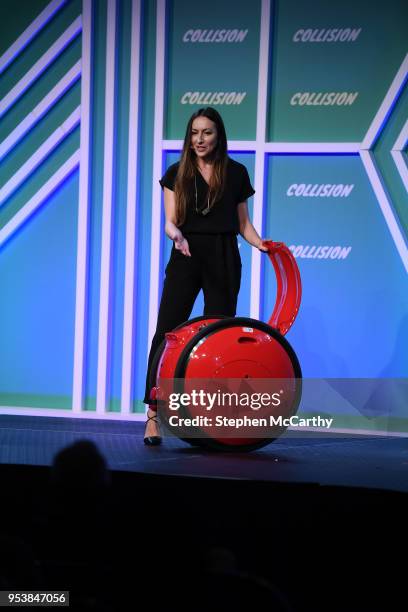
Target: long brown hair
x,y
188,164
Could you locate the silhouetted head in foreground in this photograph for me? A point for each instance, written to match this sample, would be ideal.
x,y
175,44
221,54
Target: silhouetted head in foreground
x,y
80,465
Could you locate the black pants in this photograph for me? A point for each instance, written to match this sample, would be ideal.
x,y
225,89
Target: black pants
x,y
214,267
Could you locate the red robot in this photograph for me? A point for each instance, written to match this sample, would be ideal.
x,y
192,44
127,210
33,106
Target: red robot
x,y
207,359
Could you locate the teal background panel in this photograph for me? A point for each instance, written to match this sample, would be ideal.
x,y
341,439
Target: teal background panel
x,y
367,66
37,310
13,23
212,66
352,320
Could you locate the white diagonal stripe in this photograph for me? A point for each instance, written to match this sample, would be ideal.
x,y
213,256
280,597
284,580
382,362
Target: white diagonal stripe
x,y
29,33
386,105
402,167
385,205
402,139
39,111
39,198
39,155
35,71
397,155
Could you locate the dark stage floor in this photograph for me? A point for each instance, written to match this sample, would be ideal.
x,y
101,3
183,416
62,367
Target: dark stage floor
x,y
319,518
357,461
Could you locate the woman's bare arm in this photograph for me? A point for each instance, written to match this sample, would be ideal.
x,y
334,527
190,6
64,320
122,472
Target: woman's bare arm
x,y
171,229
246,229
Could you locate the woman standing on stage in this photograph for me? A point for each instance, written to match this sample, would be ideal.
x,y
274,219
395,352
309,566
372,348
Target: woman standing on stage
x,y
205,201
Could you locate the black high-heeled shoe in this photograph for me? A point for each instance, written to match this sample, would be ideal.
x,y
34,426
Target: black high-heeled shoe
x,y
152,440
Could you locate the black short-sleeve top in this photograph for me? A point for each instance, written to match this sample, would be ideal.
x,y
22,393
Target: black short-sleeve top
x,y
223,216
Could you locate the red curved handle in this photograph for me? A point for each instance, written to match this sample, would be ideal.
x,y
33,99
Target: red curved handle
x,y
289,286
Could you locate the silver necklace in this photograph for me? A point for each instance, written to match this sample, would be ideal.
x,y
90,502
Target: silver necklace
x,y
205,210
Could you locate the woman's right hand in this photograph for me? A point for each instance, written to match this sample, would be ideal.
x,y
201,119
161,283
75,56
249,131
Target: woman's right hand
x,y
181,244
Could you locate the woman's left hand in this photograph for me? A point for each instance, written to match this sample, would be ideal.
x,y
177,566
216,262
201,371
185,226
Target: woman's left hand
x,y
262,246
